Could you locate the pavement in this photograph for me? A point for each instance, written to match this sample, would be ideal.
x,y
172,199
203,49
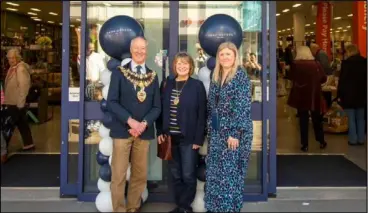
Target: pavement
x,y
288,200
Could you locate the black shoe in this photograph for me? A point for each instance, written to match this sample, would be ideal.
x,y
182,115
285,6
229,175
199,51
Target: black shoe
x,y
304,148
177,209
323,145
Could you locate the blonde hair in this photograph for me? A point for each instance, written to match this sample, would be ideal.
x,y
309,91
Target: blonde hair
x,y
351,49
303,53
185,57
218,68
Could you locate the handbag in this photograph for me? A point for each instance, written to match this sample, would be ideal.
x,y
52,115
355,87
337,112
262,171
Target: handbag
x,y
164,149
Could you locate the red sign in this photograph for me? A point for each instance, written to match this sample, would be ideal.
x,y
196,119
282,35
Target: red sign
x,y
360,26
323,25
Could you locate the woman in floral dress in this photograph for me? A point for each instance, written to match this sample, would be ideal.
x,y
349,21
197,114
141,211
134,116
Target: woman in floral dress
x,y
230,132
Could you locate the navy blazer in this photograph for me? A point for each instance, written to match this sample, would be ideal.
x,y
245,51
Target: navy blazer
x,y
191,114
123,103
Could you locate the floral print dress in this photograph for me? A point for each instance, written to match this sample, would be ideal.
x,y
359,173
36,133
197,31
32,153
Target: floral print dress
x,y
226,169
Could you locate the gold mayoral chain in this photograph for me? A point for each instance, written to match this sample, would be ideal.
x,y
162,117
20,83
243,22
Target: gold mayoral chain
x,y
177,98
139,80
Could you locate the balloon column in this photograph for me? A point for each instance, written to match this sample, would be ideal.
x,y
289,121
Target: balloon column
x,y
115,37
214,31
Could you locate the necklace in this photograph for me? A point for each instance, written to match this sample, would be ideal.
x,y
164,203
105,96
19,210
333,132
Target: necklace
x,y
176,99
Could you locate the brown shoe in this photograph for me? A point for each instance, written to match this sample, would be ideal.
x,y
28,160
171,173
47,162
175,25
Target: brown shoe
x,y
4,158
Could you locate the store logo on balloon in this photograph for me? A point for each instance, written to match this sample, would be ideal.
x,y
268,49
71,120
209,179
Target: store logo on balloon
x,y
114,32
219,35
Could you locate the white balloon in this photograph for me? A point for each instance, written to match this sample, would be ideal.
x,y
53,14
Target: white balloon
x,y
105,91
128,172
200,185
103,202
198,203
105,77
105,146
103,131
103,186
203,150
110,159
204,75
144,195
125,61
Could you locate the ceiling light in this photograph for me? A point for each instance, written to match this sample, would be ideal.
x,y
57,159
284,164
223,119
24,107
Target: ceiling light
x,y
78,19
54,14
337,31
339,28
37,19
35,9
12,9
12,4
283,30
286,10
34,17
61,23
279,31
350,15
51,22
33,14
307,25
71,25
277,14
337,18
348,26
296,5
314,22
331,28
107,4
345,30
288,29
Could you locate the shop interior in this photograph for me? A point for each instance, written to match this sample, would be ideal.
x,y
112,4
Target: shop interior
x,y
36,28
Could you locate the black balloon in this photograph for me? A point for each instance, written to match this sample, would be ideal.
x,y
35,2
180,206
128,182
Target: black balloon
x,y
101,158
218,29
201,172
117,33
103,105
211,63
113,63
107,120
105,172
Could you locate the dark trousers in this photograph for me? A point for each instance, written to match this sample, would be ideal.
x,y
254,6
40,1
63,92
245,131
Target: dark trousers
x,y
328,97
183,169
304,124
21,121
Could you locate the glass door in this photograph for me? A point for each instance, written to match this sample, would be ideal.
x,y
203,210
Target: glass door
x,y
154,18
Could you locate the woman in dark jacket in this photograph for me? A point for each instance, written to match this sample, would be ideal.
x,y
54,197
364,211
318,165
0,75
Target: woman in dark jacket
x,y
352,93
307,76
183,117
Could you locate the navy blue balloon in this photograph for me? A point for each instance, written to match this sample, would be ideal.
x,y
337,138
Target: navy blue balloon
x,y
211,63
117,33
103,105
218,29
201,172
101,158
105,172
113,63
107,120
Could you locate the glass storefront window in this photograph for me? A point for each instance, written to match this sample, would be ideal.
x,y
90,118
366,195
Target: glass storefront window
x,y
192,14
154,18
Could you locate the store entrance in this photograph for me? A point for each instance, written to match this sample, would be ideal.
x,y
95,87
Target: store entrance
x,y
34,30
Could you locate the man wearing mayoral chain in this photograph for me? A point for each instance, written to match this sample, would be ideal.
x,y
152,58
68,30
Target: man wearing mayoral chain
x,y
134,101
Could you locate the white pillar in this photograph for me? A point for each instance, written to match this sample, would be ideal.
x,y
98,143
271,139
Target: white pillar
x,y
299,31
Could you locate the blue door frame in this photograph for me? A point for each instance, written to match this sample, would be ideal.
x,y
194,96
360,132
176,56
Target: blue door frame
x,y
266,110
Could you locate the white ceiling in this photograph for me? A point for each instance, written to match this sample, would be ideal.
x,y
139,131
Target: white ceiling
x,y
285,20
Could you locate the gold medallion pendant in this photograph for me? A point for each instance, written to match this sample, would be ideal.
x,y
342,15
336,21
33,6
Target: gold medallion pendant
x,y
141,95
176,101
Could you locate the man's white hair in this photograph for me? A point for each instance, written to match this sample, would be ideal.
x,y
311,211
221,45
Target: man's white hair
x,y
14,51
303,53
137,38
